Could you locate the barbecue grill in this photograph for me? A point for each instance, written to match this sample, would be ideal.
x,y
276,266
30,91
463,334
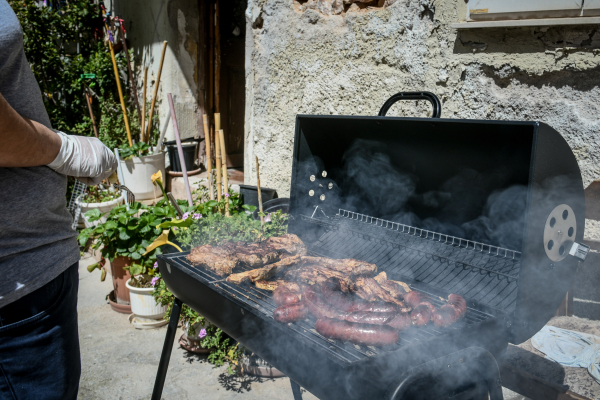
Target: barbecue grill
x,y
415,196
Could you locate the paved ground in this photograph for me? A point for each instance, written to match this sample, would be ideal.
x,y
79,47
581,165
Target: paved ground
x,y
119,362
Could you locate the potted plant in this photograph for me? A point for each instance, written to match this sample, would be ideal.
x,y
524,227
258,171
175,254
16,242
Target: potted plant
x,y
138,165
98,201
124,237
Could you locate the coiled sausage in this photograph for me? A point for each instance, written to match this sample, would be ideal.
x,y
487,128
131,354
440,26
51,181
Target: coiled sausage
x,y
290,312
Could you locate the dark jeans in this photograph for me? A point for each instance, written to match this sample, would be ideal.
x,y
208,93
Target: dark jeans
x,y
39,342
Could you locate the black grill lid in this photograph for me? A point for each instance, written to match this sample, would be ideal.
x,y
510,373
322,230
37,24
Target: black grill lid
x,y
493,184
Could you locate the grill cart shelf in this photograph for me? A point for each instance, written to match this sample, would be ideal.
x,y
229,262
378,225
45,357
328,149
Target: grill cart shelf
x,y
511,292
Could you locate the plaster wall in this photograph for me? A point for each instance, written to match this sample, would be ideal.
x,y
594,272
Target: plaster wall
x,y
149,23
301,61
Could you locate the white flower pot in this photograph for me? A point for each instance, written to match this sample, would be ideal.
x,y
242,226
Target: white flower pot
x,y
143,304
137,172
104,207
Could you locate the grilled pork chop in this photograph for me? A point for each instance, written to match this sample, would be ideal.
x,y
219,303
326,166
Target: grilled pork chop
x,y
368,289
395,288
264,273
289,243
254,255
218,259
348,266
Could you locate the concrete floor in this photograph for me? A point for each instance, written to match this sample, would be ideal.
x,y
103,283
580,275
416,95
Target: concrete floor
x,y
120,362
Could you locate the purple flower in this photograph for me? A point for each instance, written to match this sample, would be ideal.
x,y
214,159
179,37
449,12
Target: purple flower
x,y
202,333
197,216
185,216
268,218
155,264
154,280
227,195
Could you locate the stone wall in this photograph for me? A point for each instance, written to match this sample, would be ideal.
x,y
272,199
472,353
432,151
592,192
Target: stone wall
x,y
300,60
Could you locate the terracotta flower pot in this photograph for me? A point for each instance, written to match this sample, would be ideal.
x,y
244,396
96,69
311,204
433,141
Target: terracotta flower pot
x,y
120,277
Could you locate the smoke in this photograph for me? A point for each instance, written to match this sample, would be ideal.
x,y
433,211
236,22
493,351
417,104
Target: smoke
x,y
470,204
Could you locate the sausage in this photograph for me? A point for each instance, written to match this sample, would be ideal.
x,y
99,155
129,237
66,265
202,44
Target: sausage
x,y
282,295
290,312
415,298
346,302
318,308
373,318
422,314
363,334
451,312
459,304
400,321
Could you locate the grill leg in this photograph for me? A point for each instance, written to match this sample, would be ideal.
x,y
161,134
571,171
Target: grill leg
x,y
296,390
163,365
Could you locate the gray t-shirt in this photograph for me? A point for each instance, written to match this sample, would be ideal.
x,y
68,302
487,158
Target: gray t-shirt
x,y
36,240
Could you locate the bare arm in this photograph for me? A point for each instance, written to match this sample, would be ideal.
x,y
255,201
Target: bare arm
x,y
25,143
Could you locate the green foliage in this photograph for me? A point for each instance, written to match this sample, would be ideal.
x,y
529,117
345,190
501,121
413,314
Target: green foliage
x,y
216,228
138,149
223,351
95,195
127,233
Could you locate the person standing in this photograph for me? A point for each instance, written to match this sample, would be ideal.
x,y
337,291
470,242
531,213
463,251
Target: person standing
x,y
39,254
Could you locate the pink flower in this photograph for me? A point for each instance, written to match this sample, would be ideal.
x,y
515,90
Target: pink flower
x,y
202,333
155,264
197,216
185,216
227,195
268,218
154,280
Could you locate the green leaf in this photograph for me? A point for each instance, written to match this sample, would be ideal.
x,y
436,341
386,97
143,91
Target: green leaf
x,y
249,207
136,269
123,234
181,223
135,255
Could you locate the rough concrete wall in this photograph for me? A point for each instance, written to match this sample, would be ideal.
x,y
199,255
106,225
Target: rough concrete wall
x,y
300,61
148,24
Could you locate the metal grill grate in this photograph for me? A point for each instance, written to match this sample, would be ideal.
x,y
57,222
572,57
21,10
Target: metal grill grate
x,y
479,272
261,302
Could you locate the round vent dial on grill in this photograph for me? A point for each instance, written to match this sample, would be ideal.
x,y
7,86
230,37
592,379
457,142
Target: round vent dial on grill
x,y
559,232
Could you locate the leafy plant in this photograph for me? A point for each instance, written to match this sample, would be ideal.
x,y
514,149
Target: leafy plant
x,y
95,195
127,233
138,149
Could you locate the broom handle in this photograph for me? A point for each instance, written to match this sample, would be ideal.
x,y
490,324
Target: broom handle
x,y
218,165
225,178
207,143
154,95
133,85
114,61
260,207
144,104
89,104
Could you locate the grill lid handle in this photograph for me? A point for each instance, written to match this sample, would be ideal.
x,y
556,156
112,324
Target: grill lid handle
x,y
432,98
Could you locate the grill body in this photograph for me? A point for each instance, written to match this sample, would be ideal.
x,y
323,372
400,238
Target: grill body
x,y
353,208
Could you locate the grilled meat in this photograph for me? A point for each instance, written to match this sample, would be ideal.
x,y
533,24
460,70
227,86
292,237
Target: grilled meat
x,y
449,313
289,243
415,298
218,259
331,290
395,288
290,312
283,295
272,285
422,314
254,255
364,334
400,322
373,318
368,289
264,273
348,266
317,307
314,274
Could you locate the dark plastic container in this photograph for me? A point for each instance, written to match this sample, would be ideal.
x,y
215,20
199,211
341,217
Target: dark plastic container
x,y
189,155
272,206
249,195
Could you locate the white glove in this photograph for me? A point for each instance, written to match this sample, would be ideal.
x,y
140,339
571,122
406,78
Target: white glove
x,y
85,158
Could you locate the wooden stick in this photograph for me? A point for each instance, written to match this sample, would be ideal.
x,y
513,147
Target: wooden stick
x,y
133,85
217,60
211,58
180,151
225,177
207,144
114,61
89,104
144,104
260,208
218,164
154,95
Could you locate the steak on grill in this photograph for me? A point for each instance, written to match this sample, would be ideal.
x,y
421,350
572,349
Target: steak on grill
x,y
348,266
395,288
368,289
289,243
218,259
267,272
254,255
